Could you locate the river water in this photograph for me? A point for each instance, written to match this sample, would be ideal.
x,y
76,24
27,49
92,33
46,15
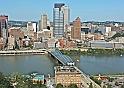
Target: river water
x,y
45,65
102,64
26,64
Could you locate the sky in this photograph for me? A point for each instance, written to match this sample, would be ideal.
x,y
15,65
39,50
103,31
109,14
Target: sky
x,y
87,10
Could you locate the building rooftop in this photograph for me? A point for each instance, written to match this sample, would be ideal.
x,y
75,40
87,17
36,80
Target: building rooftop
x,y
39,77
66,69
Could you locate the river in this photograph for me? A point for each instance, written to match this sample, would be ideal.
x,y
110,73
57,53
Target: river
x,y
26,64
102,64
45,65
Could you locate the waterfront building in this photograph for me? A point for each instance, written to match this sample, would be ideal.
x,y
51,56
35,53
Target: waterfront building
x,y
38,45
43,22
67,75
60,19
4,27
76,29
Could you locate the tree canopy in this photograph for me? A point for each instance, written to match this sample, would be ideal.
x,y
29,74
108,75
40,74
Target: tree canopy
x,y
72,86
59,85
4,83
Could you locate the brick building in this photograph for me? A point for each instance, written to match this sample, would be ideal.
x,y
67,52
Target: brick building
x,y
76,29
67,75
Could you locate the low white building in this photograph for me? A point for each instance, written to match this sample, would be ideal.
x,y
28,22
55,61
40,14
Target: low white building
x,y
52,43
38,45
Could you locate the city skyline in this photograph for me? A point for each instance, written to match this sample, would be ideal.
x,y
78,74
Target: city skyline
x,y
87,10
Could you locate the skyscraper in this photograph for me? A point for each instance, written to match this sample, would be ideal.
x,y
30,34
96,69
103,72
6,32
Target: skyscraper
x,y
76,29
60,19
43,22
66,12
4,27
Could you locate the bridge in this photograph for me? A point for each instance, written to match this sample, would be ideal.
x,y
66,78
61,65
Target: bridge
x,y
64,59
67,61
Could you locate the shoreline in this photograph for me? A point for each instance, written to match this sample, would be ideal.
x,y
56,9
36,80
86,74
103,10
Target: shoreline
x,y
94,52
22,52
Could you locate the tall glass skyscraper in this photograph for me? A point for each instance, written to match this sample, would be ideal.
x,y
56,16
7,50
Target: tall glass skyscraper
x,y
60,19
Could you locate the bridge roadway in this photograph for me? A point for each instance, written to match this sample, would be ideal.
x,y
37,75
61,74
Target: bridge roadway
x,y
66,60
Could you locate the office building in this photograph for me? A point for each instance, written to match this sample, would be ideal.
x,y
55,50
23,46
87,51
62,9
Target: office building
x,y
31,29
60,19
31,26
43,22
76,29
4,27
66,12
67,75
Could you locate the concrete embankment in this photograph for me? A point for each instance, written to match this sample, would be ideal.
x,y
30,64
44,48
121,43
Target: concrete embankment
x,y
22,52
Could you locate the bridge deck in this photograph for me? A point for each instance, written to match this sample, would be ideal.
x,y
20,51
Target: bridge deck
x,y
64,59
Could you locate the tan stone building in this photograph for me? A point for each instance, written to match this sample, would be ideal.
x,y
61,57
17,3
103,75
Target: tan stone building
x,y
43,22
67,75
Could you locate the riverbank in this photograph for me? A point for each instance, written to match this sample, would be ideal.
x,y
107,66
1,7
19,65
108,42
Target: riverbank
x,y
22,52
94,52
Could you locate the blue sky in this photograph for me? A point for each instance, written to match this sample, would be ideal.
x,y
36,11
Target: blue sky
x,y
87,10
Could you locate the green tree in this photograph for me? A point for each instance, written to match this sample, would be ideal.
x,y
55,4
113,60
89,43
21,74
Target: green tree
x,y
110,79
59,85
104,86
96,80
116,83
109,86
122,86
4,83
38,86
91,85
20,81
72,86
